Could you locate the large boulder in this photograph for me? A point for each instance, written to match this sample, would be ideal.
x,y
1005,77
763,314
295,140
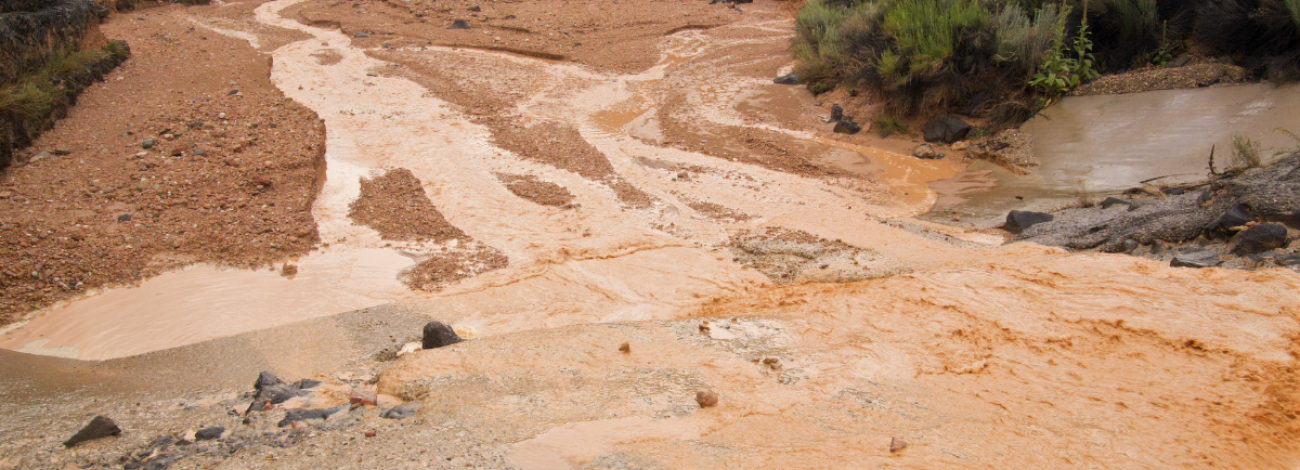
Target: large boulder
x,y
847,126
98,427
1019,221
1258,239
945,128
437,335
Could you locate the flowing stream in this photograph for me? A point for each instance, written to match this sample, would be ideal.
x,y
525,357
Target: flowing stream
x,y
595,264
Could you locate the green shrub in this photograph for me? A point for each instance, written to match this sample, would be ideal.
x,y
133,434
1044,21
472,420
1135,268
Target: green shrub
x,y
887,126
1246,154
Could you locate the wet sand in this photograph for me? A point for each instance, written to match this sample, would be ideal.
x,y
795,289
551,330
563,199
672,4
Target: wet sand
x,y
977,355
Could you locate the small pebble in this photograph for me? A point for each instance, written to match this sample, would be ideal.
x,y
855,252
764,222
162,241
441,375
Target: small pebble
x,y
896,444
371,433
625,348
706,398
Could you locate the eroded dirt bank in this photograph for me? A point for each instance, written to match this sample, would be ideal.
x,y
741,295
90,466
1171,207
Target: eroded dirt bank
x,y
583,204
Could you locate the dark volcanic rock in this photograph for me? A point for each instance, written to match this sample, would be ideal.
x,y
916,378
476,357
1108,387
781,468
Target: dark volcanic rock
x,y
1234,216
1288,218
788,79
402,411
99,426
266,380
1110,201
459,24
847,126
1196,258
1258,239
209,433
1019,221
837,112
300,414
945,128
437,335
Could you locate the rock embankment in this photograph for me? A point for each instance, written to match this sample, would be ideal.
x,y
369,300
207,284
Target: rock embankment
x,y
39,78
1248,218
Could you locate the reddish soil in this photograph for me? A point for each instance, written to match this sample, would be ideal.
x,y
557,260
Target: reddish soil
x,y
541,192
609,35
395,206
443,269
230,179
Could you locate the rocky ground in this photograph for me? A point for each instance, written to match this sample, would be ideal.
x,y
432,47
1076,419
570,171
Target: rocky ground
x,y
1249,220
185,154
943,353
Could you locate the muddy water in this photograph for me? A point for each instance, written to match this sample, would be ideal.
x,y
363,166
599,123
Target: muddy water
x,y
599,263
1095,145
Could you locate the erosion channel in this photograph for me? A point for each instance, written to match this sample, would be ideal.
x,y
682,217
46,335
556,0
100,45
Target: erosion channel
x,y
688,208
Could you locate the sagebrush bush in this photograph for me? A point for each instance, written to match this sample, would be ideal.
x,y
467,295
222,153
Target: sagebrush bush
x,y
977,56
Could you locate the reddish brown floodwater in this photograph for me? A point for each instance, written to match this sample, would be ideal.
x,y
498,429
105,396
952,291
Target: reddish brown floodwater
x,y
980,356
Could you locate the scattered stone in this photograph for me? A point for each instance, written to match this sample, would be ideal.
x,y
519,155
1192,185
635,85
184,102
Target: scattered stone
x,y
99,426
305,384
1131,245
1010,148
706,398
402,411
259,180
475,8
847,126
361,397
959,146
459,24
896,444
1196,257
924,152
788,79
147,143
625,348
361,34
205,434
289,270
371,433
296,415
437,335
1110,201
1258,239
1019,221
124,218
38,157
837,112
945,128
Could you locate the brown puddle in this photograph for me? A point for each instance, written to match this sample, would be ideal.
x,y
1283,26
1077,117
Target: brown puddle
x,y
1092,146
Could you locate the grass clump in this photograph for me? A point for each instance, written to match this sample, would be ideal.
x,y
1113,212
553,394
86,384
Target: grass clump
x,y
1246,154
30,103
887,126
35,95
